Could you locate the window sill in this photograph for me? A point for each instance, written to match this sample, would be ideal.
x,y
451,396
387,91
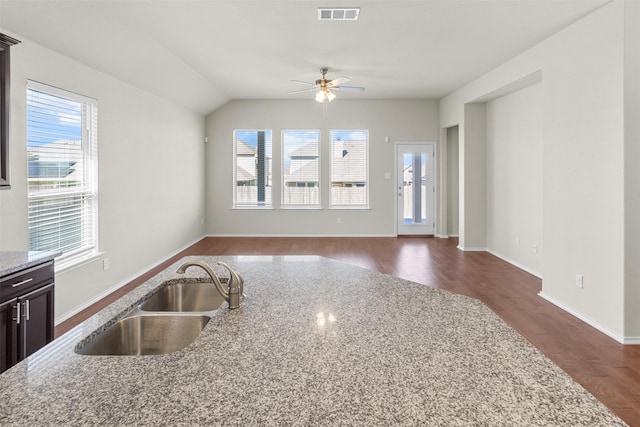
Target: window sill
x,y
72,263
252,208
349,208
301,208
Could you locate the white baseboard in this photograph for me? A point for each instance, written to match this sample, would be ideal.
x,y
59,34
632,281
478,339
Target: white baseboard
x,y
120,284
471,249
298,235
621,340
515,263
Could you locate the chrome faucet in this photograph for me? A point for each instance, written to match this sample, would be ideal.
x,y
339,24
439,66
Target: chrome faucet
x,y
233,293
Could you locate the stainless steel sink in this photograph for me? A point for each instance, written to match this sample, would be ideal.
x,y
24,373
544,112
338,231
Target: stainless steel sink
x,y
176,297
146,335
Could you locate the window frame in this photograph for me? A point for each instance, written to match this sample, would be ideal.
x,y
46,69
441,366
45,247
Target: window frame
x,y
367,185
247,206
302,206
89,189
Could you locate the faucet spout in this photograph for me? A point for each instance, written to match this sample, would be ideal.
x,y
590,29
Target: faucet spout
x,y
233,294
212,274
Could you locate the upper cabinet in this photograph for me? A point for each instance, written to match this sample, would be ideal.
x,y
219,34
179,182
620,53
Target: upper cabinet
x,y
5,83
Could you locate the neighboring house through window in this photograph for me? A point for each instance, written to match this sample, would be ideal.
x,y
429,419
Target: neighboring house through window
x,y
62,173
301,168
349,169
252,168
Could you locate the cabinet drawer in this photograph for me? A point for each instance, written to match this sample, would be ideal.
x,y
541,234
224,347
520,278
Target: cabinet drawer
x,y
26,280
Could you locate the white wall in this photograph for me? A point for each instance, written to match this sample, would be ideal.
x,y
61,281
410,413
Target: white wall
x,y
583,160
473,175
514,177
473,178
632,169
453,183
402,121
151,174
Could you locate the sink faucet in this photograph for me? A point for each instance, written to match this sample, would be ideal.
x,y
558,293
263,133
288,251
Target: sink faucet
x,y
233,294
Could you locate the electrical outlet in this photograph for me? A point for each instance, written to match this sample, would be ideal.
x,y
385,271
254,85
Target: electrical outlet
x,y
105,264
534,248
579,281
517,242
339,220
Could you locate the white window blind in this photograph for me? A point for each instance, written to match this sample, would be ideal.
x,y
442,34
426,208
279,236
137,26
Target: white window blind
x,y
252,172
301,168
62,172
349,168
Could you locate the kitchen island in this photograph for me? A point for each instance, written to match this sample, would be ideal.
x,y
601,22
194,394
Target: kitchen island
x,y
315,342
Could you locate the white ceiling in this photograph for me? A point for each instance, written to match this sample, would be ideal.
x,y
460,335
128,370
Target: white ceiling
x,y
202,53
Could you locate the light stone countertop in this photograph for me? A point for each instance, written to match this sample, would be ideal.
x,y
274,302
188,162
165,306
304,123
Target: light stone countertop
x,y
12,261
315,342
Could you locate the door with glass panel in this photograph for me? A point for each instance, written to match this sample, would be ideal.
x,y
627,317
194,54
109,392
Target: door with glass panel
x,y
415,188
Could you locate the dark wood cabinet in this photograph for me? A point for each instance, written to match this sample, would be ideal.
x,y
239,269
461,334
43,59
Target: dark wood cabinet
x,y
36,328
26,313
8,335
5,88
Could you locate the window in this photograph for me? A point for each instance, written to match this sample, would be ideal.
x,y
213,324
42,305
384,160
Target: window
x,y
301,168
252,168
5,82
349,168
62,172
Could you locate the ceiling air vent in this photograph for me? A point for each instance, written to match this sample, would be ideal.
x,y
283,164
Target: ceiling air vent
x,y
338,14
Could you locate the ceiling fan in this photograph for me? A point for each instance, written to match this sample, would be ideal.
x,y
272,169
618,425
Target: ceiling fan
x,y
323,87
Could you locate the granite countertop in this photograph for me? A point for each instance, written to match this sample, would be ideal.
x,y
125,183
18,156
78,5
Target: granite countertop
x,y
315,342
12,261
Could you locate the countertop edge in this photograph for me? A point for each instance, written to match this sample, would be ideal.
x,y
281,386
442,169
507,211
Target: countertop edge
x,y
14,261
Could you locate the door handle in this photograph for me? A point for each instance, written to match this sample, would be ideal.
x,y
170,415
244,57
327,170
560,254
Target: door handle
x,y
27,310
17,319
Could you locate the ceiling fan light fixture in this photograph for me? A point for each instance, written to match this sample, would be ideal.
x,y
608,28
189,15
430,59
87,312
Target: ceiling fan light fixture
x,y
325,95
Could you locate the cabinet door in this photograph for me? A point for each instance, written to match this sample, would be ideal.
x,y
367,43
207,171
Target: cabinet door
x,y
8,335
36,327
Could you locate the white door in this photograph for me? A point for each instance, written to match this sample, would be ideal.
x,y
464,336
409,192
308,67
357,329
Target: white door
x,y
415,184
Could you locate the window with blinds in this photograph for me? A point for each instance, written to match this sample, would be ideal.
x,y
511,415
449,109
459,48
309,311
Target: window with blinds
x,y
301,168
62,172
252,174
349,169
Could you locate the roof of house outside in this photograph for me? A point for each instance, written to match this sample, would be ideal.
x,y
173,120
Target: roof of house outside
x,y
244,149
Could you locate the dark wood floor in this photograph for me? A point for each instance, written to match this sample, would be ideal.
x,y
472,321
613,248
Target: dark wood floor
x,y
609,370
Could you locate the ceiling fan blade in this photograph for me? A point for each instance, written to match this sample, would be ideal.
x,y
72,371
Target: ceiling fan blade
x,y
302,83
311,89
349,88
338,81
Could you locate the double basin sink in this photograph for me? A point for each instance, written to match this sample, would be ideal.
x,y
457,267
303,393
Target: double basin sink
x,y
169,320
